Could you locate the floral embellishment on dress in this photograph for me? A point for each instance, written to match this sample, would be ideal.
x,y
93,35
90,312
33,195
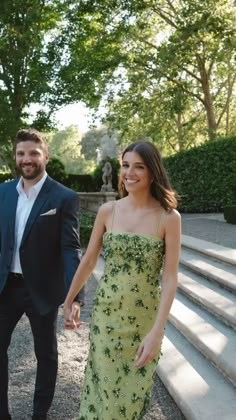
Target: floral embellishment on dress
x,y
107,352
96,329
125,308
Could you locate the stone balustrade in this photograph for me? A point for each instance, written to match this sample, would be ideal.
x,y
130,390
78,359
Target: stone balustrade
x,y
93,200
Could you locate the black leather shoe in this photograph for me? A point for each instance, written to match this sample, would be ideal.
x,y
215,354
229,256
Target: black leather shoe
x,y
35,417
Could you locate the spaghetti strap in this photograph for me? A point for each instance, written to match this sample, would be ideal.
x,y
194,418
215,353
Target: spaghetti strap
x,y
159,220
113,214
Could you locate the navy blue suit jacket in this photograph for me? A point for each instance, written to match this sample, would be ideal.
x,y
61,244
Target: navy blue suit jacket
x,y
50,247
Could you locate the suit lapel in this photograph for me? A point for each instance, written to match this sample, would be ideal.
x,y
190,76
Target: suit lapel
x,y
12,204
39,202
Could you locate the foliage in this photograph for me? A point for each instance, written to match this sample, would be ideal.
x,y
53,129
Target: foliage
x,y
166,69
99,143
92,50
83,183
56,170
86,227
137,116
26,61
170,66
36,66
66,145
5,176
80,153
196,174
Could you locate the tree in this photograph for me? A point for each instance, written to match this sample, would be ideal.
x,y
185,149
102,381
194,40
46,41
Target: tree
x,y
34,38
183,47
99,143
66,146
173,61
199,55
167,117
26,66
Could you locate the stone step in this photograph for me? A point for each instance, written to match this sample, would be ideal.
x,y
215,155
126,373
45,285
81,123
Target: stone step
x,y
214,340
219,272
218,301
198,388
218,252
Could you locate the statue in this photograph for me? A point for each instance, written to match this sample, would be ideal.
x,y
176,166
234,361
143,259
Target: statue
x,y
107,177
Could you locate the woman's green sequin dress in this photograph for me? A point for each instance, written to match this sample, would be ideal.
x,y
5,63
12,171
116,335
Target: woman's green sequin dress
x,y
124,312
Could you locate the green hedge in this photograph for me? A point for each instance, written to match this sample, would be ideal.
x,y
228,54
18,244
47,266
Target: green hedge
x,y
86,226
83,183
205,176
56,169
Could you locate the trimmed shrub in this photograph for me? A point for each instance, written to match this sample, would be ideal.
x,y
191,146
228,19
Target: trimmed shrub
x,y
205,176
86,226
83,183
56,169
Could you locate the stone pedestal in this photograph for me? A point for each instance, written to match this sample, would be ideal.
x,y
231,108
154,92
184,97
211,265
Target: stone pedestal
x,y
92,201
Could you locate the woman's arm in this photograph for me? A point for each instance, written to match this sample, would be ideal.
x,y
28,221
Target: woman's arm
x,y
149,347
86,265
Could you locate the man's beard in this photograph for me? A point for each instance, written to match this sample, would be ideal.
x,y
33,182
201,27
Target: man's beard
x,y
36,171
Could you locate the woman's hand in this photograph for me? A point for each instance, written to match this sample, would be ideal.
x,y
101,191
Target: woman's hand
x,y
148,349
72,315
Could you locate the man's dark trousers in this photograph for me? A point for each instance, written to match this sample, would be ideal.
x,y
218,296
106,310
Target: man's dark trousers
x,y
49,255
14,302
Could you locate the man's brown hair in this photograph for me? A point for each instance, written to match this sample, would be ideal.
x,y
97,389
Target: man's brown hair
x,y
31,135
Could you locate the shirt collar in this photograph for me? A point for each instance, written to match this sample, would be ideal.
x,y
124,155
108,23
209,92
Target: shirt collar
x,y
35,188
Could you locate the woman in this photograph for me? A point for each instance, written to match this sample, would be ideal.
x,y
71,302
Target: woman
x,y
130,312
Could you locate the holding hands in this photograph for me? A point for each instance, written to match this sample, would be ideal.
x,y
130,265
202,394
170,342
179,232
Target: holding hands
x,y
72,315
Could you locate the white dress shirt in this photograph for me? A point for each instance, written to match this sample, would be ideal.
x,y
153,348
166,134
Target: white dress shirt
x,y
24,206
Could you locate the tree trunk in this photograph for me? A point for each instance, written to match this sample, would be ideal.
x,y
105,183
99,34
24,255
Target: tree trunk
x,y
208,103
179,131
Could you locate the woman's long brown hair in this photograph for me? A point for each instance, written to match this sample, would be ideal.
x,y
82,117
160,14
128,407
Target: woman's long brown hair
x,y
160,188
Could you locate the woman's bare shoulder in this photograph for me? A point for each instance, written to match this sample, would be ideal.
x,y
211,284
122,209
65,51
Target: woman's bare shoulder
x,y
172,216
105,210
109,206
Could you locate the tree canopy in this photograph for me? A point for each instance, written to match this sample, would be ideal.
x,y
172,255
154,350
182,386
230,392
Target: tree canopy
x,y
98,144
26,62
34,55
67,147
171,66
165,69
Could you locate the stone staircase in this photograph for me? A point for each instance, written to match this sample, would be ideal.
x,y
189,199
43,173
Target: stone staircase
x,y
198,365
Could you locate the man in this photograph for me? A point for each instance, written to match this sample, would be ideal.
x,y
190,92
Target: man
x,y
39,253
